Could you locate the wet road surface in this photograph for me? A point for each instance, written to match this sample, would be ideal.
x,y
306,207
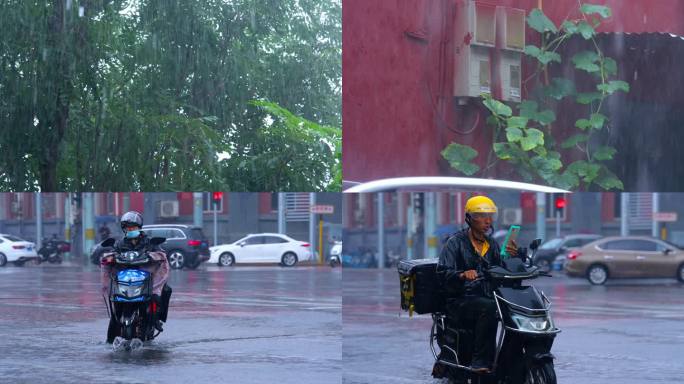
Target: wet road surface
x,y
241,325
629,331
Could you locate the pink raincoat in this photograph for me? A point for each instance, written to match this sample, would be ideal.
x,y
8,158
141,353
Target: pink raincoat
x,y
159,270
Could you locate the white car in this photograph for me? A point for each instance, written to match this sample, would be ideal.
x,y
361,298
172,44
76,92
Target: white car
x,y
16,250
262,248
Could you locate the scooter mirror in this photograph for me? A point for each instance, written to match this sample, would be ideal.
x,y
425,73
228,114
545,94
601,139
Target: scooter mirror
x,y
157,240
535,244
108,243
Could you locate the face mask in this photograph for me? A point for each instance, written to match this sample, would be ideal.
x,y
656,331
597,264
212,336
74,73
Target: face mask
x,y
132,234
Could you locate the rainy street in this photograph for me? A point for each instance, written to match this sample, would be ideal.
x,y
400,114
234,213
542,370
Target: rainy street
x,y
628,331
242,325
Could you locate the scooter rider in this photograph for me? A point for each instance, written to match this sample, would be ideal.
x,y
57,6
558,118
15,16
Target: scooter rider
x,y
463,255
135,240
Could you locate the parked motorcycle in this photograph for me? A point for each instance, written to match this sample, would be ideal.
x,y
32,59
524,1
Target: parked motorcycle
x,y
52,250
335,254
392,258
130,301
526,329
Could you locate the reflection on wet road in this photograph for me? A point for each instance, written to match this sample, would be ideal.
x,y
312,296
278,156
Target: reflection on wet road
x,y
241,325
629,331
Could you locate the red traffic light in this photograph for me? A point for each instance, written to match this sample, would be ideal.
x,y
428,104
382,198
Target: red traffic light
x,y
560,202
217,196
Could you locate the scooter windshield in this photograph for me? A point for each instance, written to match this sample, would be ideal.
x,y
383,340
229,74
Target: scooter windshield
x,y
525,297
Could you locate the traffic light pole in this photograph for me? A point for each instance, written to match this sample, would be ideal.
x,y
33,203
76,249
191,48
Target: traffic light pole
x,y
88,221
558,222
541,216
67,222
39,220
312,225
197,200
281,213
381,230
215,223
409,231
320,239
656,227
624,214
216,200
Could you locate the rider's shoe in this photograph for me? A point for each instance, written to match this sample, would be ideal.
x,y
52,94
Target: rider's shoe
x,y
479,367
439,370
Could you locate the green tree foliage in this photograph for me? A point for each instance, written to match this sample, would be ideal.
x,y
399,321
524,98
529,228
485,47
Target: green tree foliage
x,y
157,95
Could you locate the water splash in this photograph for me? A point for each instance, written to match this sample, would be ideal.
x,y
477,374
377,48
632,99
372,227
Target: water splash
x,y
122,345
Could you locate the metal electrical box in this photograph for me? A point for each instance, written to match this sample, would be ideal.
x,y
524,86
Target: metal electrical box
x,y
510,26
475,38
483,31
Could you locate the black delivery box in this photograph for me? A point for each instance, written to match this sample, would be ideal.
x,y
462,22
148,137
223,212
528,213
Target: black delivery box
x,y
420,288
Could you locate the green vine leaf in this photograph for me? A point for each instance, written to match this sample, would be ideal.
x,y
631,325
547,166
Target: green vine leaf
x,y
533,138
508,151
604,153
503,151
607,180
561,88
586,30
545,164
528,109
583,124
588,98
514,134
601,10
538,21
586,61
566,180
496,107
574,140
554,155
569,27
597,120
613,86
543,57
546,117
459,157
585,170
517,122
541,151
609,66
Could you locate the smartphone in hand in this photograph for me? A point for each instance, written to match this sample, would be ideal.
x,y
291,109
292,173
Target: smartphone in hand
x,y
512,235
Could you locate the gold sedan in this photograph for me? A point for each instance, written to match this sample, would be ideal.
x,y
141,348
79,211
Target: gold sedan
x,y
626,257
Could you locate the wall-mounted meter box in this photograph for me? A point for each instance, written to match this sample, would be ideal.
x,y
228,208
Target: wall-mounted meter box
x,y
511,73
475,38
510,27
480,31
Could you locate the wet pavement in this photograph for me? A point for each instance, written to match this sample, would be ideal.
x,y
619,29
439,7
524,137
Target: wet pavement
x,y
242,325
628,331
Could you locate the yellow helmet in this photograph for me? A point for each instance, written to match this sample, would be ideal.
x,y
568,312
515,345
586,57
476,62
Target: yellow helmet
x,y
480,204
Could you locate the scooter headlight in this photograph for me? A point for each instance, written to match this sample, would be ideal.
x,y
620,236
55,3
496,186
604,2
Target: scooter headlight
x,y
532,324
130,290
